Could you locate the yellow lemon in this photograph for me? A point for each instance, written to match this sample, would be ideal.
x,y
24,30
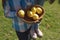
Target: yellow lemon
x,y
21,13
39,10
35,17
33,10
30,14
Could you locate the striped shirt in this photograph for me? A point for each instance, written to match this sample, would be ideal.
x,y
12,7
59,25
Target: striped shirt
x,y
10,10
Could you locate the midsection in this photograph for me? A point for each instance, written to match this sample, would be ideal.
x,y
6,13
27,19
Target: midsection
x,y
23,4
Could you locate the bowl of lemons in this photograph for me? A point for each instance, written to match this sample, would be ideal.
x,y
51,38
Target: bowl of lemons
x,y
32,14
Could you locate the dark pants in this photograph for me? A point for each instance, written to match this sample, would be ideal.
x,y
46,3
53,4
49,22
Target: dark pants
x,y
24,35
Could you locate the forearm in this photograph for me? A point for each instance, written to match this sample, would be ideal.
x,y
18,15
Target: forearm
x,y
6,8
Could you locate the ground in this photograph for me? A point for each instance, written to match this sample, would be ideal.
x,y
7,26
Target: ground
x,y
50,25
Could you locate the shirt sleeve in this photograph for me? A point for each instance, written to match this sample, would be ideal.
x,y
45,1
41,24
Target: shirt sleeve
x,y
5,7
7,12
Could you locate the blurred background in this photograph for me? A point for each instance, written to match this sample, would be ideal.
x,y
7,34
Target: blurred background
x,y
50,25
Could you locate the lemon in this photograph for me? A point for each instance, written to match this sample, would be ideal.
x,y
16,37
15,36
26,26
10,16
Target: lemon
x,y
33,10
30,14
35,17
21,13
39,10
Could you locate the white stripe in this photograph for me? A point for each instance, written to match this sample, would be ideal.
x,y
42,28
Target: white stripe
x,y
21,24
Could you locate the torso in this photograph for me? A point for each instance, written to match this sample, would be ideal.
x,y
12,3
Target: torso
x,y
21,3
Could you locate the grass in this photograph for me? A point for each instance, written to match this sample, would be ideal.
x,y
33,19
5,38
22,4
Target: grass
x,y
50,24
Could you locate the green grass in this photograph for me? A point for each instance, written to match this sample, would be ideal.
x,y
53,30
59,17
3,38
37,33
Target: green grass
x,y
50,24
